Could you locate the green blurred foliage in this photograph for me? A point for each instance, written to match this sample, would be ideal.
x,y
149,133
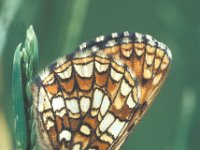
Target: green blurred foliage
x,y
175,22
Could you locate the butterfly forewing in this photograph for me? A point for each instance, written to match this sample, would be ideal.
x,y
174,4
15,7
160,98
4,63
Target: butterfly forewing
x,y
93,98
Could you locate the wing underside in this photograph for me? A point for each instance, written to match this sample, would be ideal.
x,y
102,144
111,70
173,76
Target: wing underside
x,y
93,98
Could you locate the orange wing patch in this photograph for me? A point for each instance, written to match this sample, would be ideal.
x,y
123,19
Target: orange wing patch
x,y
95,97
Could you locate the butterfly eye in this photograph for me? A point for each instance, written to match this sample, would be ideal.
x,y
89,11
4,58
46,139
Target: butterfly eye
x,y
93,98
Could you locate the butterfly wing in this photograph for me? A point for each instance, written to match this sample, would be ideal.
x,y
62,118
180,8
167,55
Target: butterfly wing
x,y
93,98
149,60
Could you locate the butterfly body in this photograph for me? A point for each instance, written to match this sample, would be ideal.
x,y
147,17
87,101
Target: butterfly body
x,y
94,97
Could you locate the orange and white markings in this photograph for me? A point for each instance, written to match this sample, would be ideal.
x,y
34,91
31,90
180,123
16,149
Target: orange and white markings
x,y
94,97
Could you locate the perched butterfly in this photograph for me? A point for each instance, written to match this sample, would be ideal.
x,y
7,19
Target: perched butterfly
x,y
93,98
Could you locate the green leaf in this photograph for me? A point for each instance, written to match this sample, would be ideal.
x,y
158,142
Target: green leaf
x,y
24,67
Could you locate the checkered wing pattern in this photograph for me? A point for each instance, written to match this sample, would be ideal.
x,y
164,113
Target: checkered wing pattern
x,y
94,97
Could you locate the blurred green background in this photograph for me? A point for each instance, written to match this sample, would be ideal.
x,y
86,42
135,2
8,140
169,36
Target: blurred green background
x,y
173,122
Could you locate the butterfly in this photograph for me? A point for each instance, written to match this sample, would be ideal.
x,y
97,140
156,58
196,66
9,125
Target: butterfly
x,y
93,98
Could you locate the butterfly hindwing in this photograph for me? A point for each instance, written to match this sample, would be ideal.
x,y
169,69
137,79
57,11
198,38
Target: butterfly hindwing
x,y
93,98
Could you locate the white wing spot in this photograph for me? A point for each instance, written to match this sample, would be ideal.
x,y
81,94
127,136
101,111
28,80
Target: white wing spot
x,y
126,33
84,70
58,103
130,102
138,37
105,105
106,122
100,38
97,98
85,129
116,128
76,147
66,74
43,101
111,43
115,75
83,45
49,124
101,67
126,40
65,134
125,88
72,105
114,35
84,104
